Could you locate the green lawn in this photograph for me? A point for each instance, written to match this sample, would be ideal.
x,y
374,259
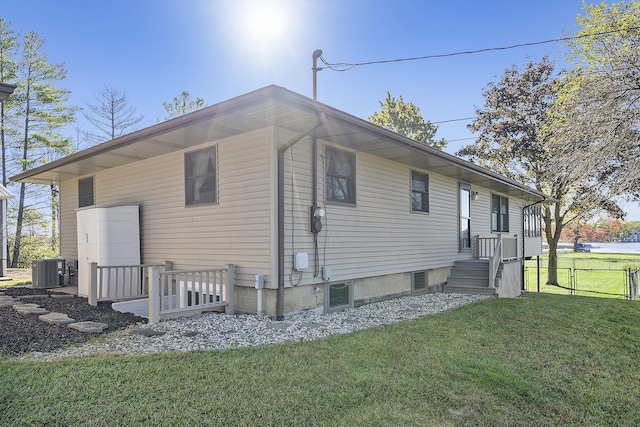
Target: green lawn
x,y
537,360
593,274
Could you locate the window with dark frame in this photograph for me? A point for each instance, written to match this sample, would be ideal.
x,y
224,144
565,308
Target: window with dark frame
x,y
338,296
86,196
419,280
499,213
200,179
419,192
340,176
533,221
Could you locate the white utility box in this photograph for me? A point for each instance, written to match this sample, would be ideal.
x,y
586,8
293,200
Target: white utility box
x,y
108,236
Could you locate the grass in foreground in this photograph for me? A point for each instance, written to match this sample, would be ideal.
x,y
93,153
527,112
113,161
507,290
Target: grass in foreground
x,y
16,276
537,360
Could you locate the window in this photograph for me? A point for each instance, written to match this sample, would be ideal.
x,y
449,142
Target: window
x,y
533,221
85,192
419,281
338,296
340,176
419,192
499,213
200,176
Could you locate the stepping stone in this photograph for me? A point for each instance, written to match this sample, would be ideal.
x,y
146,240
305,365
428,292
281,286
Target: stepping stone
x,y
6,301
278,325
30,297
90,327
311,325
62,296
146,332
29,309
56,318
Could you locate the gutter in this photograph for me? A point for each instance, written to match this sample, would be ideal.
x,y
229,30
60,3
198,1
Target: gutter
x,y
281,151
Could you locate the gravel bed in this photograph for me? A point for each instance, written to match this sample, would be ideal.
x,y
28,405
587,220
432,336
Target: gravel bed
x,y
218,331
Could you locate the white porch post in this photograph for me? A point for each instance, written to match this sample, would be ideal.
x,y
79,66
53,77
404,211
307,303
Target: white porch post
x,y
230,281
154,295
93,283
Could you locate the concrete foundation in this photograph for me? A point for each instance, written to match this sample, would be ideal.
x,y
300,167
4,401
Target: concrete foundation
x,y
312,297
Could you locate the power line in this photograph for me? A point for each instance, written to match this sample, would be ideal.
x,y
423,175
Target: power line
x,y
459,139
454,120
346,66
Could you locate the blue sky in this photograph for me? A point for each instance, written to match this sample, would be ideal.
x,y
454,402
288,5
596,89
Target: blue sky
x,y
154,49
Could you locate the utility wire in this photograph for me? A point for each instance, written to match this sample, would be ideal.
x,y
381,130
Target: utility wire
x,y
346,66
454,120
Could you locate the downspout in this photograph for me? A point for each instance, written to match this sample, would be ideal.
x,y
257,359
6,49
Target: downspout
x,y
281,151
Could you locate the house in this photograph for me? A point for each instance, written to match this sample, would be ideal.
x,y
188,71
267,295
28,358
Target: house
x,y
314,208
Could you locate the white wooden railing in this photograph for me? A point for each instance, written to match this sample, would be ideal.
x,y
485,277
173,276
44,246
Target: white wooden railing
x,y
171,293
117,282
494,262
184,292
497,249
486,247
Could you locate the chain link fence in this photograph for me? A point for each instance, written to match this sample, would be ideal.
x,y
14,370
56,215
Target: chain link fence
x,y
608,278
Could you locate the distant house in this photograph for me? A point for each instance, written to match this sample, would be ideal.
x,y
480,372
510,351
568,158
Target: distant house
x,y
6,90
328,209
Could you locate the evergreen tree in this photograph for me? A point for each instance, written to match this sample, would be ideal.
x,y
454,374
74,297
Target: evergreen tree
x,y
8,71
182,104
42,113
405,119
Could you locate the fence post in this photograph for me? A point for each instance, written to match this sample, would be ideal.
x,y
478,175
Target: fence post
x,y
155,295
93,283
633,284
230,281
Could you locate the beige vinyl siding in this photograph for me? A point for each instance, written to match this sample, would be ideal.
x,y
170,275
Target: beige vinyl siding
x,y
380,235
68,223
532,246
481,213
237,229
297,201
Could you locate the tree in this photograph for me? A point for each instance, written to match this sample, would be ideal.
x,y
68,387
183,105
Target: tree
x,y
8,70
599,99
182,104
405,119
111,116
42,113
515,132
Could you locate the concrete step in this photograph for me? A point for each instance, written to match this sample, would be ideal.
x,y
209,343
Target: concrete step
x,y
139,307
469,277
477,282
475,290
